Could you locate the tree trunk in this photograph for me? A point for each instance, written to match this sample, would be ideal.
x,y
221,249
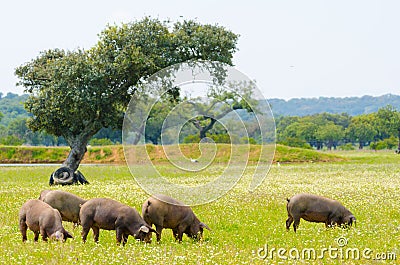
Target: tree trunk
x,y
68,173
319,145
205,129
202,134
330,144
139,134
78,143
75,156
398,146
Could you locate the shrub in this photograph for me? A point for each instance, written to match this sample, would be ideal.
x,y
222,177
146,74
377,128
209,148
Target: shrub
x,y
193,138
100,142
295,142
11,140
248,140
220,138
347,147
391,142
388,143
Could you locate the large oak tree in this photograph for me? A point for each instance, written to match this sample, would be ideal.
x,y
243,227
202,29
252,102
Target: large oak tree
x,y
76,93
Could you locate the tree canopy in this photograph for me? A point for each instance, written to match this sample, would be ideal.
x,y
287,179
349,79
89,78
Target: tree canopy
x,y
76,93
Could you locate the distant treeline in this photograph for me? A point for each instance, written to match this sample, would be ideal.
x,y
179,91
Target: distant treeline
x,y
310,123
14,128
351,105
378,130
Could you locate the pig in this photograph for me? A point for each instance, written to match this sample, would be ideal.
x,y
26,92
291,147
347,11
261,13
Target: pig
x,y
108,214
41,218
66,203
166,212
314,208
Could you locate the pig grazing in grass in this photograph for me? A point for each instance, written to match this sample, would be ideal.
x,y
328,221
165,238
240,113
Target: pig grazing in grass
x,y
41,218
314,208
166,212
66,203
102,213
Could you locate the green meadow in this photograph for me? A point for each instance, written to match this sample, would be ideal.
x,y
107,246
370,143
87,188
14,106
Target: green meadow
x,y
247,227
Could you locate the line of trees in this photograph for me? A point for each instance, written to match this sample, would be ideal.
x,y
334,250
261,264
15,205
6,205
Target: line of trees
x,y
15,131
379,130
18,133
351,105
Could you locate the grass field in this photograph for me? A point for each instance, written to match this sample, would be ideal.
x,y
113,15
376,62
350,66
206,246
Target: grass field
x,y
248,228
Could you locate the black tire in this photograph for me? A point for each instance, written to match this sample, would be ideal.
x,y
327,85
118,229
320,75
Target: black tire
x,y
62,176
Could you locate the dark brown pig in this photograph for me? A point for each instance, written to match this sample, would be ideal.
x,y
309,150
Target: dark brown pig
x,y
314,208
66,203
102,213
41,218
166,212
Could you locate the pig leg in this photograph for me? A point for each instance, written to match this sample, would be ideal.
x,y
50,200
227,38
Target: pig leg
x,y
289,221
44,234
86,221
327,224
159,229
119,236
179,236
36,236
296,223
96,232
175,233
85,231
124,239
334,221
23,227
180,230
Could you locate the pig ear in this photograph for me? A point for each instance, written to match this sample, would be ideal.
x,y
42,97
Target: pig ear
x,y
147,229
144,229
203,225
58,235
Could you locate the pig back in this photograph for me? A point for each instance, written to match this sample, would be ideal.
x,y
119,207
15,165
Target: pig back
x,y
105,213
67,203
166,211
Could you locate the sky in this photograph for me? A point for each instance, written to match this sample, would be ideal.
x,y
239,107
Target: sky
x,y
291,48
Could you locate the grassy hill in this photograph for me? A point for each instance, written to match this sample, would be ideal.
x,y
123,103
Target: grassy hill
x,y
115,154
